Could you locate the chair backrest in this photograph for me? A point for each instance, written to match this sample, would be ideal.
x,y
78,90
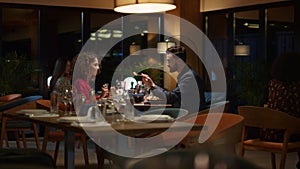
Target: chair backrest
x,y
21,103
219,107
262,117
191,158
175,113
10,97
227,133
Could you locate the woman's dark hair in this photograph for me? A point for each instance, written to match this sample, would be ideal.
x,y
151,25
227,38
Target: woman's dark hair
x,y
82,64
178,51
58,71
286,67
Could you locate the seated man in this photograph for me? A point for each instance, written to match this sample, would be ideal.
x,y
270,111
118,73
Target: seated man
x,y
189,91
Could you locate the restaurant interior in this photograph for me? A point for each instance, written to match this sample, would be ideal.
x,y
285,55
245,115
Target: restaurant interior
x,y
246,37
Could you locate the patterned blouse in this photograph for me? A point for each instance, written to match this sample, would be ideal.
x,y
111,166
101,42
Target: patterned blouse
x,y
283,96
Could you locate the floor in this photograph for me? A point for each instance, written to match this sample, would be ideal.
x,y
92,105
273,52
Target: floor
x,y
262,159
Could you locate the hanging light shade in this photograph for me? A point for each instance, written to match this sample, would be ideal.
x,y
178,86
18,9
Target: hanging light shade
x,y
134,49
143,6
163,46
241,50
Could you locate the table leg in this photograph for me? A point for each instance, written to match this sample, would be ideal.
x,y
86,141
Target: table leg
x,y
100,156
69,150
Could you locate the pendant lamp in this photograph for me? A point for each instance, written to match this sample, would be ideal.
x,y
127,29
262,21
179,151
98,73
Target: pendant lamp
x,y
143,6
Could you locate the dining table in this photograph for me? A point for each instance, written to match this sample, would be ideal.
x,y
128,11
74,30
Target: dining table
x,y
129,128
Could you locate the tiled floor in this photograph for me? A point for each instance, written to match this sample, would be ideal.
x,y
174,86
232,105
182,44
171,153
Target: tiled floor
x,y
262,159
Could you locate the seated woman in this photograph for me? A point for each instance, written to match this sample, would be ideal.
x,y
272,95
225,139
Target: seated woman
x,y
284,91
86,69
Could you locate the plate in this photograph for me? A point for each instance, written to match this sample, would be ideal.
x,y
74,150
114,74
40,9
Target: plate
x,y
153,118
33,112
70,119
96,124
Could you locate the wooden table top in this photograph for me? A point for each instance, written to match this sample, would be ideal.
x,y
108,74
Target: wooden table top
x,y
128,128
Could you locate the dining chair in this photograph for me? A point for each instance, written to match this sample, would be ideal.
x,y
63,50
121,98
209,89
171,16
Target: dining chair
x,y
25,159
8,98
225,137
17,126
262,117
57,136
190,158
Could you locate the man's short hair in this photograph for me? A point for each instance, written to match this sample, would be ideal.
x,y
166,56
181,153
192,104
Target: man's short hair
x,y
178,51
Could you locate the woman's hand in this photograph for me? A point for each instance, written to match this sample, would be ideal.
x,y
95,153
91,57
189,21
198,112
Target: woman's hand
x,y
105,91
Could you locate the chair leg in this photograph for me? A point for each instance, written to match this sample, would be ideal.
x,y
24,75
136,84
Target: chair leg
x,y
36,136
45,140
56,151
282,161
6,139
273,160
24,139
298,163
242,150
3,132
17,139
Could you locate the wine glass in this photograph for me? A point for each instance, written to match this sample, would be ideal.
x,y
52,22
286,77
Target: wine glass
x,y
65,99
69,98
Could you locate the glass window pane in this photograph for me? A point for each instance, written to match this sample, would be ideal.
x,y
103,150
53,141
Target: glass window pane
x,y
280,31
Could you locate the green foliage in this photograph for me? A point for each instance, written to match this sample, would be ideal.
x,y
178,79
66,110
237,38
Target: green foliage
x,y
249,81
15,73
154,69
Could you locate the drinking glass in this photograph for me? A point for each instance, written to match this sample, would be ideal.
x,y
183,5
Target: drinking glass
x,y
65,99
70,100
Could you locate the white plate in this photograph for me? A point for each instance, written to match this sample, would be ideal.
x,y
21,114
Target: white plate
x,y
153,118
44,115
33,112
70,119
96,124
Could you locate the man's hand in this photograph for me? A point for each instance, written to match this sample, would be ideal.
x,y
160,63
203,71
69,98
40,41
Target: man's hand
x,y
147,81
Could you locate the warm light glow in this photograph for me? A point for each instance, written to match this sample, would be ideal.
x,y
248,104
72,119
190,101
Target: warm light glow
x,y
163,46
143,6
134,49
241,50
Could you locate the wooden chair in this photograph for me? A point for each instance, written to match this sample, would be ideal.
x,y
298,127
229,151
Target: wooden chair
x,y
225,137
190,158
57,136
18,126
8,98
261,117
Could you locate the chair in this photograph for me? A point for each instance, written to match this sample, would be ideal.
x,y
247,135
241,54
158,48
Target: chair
x,y
8,98
25,159
190,158
18,126
218,107
175,113
261,117
224,137
57,136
